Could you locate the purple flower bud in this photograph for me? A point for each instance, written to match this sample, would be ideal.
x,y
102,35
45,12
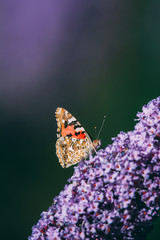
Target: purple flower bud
x,y
114,195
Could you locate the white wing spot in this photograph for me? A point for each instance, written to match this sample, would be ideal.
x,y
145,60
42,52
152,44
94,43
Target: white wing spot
x,y
70,120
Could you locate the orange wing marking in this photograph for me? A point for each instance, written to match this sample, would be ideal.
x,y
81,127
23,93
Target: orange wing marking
x,y
69,130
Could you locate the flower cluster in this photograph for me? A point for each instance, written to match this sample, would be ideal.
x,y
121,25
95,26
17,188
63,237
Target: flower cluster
x,y
114,195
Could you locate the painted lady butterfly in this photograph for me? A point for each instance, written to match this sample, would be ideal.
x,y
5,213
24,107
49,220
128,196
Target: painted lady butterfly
x,y
73,143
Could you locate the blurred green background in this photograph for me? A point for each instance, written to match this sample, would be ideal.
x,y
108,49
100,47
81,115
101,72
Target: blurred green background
x,y
93,58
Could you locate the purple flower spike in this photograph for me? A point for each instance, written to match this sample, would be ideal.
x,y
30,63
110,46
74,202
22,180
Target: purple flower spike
x,y
114,195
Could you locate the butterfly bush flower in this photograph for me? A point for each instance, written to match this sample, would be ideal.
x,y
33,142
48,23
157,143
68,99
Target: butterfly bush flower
x,y
114,195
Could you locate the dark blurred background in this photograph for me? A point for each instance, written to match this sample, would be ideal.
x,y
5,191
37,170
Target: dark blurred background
x,y
90,57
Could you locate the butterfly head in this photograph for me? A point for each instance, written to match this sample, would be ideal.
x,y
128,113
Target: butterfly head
x,y
96,143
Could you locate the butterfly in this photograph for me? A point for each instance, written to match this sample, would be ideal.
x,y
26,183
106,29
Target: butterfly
x,y
74,143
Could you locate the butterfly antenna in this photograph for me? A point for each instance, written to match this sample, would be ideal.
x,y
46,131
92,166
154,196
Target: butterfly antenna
x,y
95,130
104,119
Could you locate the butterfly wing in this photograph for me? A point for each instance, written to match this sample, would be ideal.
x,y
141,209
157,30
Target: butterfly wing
x,y
67,125
73,144
71,150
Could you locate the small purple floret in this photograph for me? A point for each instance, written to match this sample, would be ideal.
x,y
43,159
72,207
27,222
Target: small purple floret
x,y
114,195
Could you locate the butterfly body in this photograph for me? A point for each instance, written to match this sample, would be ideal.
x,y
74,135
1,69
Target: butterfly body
x,y
73,143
